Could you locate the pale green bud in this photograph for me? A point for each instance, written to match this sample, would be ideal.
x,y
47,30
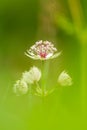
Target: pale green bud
x,y
64,79
31,76
20,87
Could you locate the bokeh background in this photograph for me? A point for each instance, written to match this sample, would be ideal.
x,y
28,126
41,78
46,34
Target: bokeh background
x,y
63,22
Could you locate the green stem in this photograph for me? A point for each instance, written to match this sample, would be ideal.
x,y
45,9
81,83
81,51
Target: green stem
x,y
38,89
83,77
45,70
37,84
78,18
30,97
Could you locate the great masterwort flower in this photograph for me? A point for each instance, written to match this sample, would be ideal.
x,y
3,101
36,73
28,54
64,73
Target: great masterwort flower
x,y
42,50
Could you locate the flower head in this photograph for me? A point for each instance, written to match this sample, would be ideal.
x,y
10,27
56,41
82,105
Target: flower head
x,y
34,74
20,87
64,79
42,50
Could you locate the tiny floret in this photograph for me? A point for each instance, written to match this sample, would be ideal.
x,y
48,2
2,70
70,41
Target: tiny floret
x,y
42,50
64,79
31,76
20,87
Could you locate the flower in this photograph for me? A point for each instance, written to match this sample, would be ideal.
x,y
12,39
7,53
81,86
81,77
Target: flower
x,y
42,50
64,79
31,76
20,87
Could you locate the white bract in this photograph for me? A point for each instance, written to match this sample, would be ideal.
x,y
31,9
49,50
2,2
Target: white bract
x,y
31,76
64,79
20,87
42,50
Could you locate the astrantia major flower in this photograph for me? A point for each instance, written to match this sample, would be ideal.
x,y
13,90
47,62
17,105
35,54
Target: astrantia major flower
x,y
42,50
64,79
20,87
31,76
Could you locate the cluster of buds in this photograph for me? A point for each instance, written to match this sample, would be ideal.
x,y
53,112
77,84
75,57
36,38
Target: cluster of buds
x,y
42,50
32,76
28,78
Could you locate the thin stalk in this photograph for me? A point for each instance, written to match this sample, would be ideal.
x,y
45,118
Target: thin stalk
x,y
30,97
83,77
45,71
77,13
42,81
38,89
78,19
37,84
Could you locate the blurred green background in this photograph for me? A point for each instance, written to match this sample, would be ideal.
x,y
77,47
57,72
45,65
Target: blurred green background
x,y
63,22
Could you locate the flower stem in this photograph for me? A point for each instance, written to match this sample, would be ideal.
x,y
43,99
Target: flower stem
x,y
45,70
83,76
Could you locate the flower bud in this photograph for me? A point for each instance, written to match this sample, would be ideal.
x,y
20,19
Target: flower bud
x,y
32,76
20,87
64,79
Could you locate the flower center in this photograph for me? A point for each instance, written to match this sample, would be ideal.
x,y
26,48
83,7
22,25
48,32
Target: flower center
x,y
43,54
